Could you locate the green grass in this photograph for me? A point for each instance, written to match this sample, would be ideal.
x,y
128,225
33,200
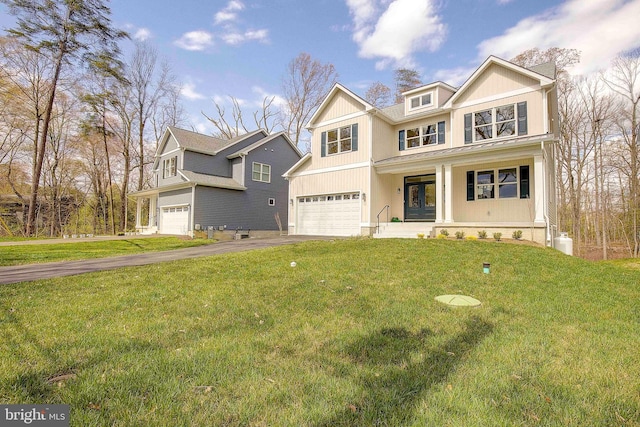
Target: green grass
x,y
33,253
352,336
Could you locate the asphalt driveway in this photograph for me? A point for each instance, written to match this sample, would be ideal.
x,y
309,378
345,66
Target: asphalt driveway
x,y
31,272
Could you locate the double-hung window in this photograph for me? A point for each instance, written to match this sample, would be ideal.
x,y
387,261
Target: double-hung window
x,y
431,134
169,167
341,140
502,183
497,122
261,172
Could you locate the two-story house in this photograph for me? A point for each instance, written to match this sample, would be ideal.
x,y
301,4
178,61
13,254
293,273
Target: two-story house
x,y
477,157
201,182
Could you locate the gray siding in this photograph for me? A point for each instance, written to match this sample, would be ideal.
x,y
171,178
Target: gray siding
x,y
171,145
250,209
175,197
204,163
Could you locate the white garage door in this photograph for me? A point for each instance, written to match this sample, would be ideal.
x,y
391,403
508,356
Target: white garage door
x,y
329,215
175,220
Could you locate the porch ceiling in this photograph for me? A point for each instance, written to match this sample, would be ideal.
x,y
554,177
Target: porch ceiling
x,y
468,154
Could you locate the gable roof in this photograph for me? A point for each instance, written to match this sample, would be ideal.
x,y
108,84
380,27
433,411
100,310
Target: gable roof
x,y
244,151
547,69
335,89
544,80
295,167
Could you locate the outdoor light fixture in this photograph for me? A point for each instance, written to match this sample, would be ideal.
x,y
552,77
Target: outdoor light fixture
x,y
291,202
364,197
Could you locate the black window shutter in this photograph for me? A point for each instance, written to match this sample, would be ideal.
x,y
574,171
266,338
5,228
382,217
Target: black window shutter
x,y
471,194
522,118
323,144
401,140
468,128
524,182
440,132
354,137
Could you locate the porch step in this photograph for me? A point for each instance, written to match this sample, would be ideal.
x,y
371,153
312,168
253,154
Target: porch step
x,y
404,230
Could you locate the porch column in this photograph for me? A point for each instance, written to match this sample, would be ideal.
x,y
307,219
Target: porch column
x,y
448,194
538,189
439,194
153,207
138,212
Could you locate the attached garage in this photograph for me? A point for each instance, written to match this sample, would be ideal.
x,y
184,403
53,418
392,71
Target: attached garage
x,y
174,220
329,215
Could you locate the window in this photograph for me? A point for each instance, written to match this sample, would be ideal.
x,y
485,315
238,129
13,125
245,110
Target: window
x,y
498,183
430,134
497,122
340,140
420,101
169,167
261,172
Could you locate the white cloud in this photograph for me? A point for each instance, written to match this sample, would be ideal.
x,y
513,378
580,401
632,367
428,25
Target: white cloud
x,y
278,101
142,34
229,12
188,90
236,38
195,40
454,76
599,29
394,31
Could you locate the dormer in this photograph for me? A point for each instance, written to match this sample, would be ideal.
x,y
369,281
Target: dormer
x,y
425,98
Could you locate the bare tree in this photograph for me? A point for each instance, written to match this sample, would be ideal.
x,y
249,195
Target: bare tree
x,y
378,95
406,79
624,80
230,127
305,85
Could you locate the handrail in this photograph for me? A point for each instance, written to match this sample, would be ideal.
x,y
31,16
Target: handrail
x,y
378,218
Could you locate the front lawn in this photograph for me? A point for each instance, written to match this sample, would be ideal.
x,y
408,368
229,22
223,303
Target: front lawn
x,y
351,336
74,250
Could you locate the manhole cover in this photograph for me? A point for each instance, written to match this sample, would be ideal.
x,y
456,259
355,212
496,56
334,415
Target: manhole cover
x,y
458,300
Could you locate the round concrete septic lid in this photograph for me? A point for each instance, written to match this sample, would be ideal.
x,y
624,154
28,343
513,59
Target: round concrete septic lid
x,y
458,300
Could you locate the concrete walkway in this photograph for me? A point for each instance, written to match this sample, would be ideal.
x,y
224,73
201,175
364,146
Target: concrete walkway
x,y
31,272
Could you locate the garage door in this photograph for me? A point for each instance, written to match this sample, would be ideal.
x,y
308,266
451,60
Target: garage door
x,y
175,220
329,215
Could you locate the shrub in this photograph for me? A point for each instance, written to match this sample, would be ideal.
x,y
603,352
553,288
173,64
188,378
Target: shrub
x,y
459,235
420,235
444,232
482,234
472,238
497,236
441,236
517,234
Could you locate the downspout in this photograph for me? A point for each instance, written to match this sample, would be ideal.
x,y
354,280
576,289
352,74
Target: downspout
x,y
193,210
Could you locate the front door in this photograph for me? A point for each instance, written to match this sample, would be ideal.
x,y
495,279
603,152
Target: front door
x,y
420,198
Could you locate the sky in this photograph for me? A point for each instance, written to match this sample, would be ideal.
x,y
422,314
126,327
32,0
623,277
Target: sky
x,y
241,48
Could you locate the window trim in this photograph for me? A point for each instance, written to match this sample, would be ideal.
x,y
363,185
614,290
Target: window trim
x,y
439,134
170,167
521,184
261,172
339,140
420,99
519,120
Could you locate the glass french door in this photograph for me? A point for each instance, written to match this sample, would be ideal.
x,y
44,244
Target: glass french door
x,y
420,198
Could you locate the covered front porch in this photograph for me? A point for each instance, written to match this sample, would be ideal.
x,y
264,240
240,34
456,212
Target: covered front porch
x,y
464,189
147,211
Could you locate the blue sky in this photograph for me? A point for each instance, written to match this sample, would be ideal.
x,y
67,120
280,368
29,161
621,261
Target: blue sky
x,y
241,48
